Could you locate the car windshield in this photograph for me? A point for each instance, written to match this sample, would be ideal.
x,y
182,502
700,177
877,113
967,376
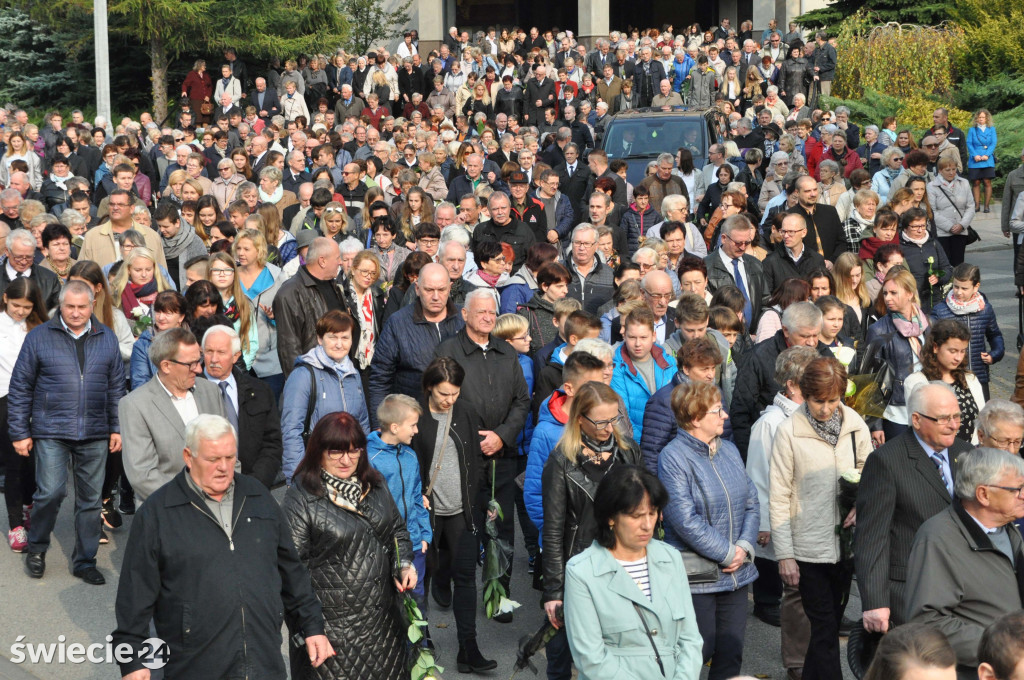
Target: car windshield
x,y
648,137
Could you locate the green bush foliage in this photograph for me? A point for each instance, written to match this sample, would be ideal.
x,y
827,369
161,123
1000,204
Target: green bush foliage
x,y
1001,92
994,38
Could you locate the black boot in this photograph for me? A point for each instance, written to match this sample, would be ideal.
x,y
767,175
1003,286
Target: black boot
x,y
126,495
470,660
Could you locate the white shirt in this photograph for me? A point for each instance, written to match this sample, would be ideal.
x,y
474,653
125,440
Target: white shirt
x,y
186,406
232,387
743,270
659,330
12,273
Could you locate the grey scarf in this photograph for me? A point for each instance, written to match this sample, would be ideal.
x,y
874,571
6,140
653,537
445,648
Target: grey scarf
x,y
176,245
828,430
345,493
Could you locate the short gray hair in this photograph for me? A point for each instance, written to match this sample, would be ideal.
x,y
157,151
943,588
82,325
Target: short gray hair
x,y
350,245
999,410
77,287
673,202
840,110
645,251
134,237
481,294
455,233
236,341
792,362
801,316
889,153
207,427
271,173
595,347
23,236
917,399
831,165
166,343
582,227
983,466
736,223
320,247
666,158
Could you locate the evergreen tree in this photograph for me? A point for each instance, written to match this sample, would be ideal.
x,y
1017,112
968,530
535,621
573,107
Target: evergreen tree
x,y
35,68
921,12
372,24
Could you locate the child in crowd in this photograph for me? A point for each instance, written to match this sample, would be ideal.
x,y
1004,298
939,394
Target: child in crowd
x,y
389,452
725,321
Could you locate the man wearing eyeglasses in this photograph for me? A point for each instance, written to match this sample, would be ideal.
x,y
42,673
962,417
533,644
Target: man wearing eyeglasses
x,y
964,568
21,252
731,265
905,482
102,243
154,417
62,405
793,260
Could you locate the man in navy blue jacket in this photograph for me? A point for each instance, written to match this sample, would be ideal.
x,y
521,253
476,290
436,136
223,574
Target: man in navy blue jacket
x,y
66,420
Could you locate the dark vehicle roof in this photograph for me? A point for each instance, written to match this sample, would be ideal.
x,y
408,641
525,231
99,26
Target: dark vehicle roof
x,y
656,131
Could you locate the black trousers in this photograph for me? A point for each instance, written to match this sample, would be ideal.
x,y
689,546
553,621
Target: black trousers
x,y
955,247
821,589
768,586
455,548
21,473
722,622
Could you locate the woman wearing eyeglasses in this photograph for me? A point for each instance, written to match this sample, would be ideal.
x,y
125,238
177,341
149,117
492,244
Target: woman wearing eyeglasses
x,y
944,358
592,443
821,441
892,166
711,517
349,534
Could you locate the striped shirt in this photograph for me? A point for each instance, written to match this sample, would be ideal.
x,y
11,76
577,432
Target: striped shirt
x,y
637,571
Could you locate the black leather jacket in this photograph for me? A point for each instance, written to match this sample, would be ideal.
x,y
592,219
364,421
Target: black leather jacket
x,y
569,524
351,561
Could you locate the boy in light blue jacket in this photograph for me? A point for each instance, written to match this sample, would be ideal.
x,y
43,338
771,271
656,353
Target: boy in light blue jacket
x,y
389,452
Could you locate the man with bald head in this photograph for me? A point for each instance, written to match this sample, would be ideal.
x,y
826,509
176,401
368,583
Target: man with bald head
x,y
265,100
410,337
666,98
304,298
258,152
19,181
904,482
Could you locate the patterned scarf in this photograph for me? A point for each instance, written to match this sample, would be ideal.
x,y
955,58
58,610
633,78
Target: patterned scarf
x,y
365,345
345,493
828,430
972,306
912,329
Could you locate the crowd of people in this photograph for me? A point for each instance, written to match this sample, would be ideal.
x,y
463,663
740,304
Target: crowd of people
x,y
416,290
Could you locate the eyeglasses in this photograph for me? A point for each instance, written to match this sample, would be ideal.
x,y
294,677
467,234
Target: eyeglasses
x,y
931,146
585,244
222,272
602,424
741,244
521,337
1018,491
942,420
192,365
21,258
1007,443
354,454
658,296
365,272
117,205
718,410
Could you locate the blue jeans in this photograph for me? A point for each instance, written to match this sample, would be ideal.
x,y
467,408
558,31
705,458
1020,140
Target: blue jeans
x,y
88,460
559,656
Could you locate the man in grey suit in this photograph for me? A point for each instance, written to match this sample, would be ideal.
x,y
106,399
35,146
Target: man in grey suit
x,y
904,483
154,417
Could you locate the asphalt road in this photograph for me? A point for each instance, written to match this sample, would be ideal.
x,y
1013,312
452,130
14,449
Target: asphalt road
x,y
62,605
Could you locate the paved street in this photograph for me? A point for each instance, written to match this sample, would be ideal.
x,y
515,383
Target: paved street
x,y
62,605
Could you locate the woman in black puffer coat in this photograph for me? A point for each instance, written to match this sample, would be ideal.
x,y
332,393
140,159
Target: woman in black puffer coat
x,y
347,529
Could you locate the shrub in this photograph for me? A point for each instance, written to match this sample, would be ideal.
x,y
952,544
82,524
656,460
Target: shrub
x,y
913,113
1000,92
994,38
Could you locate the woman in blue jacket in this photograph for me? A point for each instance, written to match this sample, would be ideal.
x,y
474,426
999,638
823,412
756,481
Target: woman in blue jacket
x,y
641,366
967,304
712,517
981,156
168,312
329,373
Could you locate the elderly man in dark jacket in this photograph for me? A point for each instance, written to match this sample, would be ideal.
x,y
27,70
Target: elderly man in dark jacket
x,y
965,569
496,387
755,382
211,562
304,298
503,227
63,420
21,250
410,336
593,282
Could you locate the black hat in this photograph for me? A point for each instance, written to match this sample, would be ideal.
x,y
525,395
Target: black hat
x,y
518,178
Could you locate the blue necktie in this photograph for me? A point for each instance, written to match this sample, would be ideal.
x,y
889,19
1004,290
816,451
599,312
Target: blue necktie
x,y
748,310
939,460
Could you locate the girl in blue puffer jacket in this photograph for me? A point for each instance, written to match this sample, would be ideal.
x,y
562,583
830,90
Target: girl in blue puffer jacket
x,y
968,305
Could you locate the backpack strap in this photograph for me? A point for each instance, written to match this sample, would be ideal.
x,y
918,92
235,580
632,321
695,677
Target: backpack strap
x,y
310,406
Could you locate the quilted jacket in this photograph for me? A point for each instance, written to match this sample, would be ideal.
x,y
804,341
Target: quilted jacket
x,y
352,563
404,350
636,224
627,381
540,313
570,525
334,392
45,400
401,469
885,343
660,425
804,485
712,507
983,326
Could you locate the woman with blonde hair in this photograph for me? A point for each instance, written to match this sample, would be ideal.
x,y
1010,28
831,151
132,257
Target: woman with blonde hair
x,y
281,245
237,307
259,281
19,149
981,156
175,182
751,88
136,284
848,274
593,443
731,87
365,302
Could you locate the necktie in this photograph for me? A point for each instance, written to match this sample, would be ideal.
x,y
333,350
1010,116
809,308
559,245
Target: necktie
x,y
571,169
748,310
939,460
19,275
229,408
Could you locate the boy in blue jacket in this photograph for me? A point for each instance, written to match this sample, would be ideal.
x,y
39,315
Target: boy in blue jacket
x,y
389,452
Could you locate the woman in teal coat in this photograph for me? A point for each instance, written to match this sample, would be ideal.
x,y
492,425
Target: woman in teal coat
x,y
628,613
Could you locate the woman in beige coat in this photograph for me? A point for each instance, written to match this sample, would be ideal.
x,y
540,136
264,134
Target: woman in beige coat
x,y
821,441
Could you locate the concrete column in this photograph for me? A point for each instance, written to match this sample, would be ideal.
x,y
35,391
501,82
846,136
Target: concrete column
x,y
728,9
431,24
593,20
763,11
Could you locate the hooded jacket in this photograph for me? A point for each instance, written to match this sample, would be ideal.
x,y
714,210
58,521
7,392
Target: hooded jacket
x,y
550,425
338,388
401,469
636,224
627,381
